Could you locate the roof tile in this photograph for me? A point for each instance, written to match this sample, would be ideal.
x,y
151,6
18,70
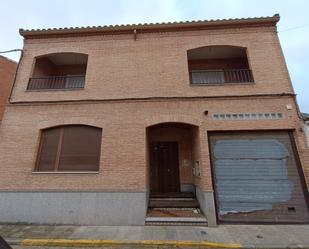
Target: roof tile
x,y
149,26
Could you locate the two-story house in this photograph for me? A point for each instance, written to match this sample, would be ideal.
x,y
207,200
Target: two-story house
x,y
136,124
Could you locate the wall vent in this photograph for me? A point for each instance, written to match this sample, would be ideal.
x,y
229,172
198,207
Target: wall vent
x,y
247,116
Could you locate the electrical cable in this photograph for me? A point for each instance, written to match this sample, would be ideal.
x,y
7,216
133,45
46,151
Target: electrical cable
x,y
12,50
299,27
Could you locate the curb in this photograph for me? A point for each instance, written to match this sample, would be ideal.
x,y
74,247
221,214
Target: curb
x,y
111,243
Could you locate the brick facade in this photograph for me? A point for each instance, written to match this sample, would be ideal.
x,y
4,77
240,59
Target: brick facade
x,y
132,85
118,60
131,132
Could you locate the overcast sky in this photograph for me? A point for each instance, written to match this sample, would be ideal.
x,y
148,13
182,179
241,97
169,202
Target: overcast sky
x,y
293,27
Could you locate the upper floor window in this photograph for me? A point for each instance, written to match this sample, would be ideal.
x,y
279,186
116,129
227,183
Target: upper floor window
x,y
69,148
219,65
59,71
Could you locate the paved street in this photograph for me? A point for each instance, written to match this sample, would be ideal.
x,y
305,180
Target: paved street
x,y
248,236
41,247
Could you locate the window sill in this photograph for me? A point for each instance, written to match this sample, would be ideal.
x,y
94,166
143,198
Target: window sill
x,y
55,90
221,84
65,172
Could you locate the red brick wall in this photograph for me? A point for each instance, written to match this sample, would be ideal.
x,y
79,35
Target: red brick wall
x,y
155,65
7,72
123,164
120,67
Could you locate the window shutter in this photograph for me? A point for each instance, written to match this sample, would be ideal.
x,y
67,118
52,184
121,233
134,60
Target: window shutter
x,y
70,148
48,149
80,150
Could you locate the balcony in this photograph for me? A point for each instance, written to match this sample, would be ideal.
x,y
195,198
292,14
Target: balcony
x,y
218,65
59,71
221,76
56,82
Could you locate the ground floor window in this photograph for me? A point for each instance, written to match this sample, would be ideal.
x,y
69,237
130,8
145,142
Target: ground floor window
x,y
69,148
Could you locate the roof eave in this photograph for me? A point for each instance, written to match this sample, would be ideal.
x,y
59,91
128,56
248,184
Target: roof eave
x,y
154,27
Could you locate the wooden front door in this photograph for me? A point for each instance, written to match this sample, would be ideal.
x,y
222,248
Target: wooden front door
x,y
164,167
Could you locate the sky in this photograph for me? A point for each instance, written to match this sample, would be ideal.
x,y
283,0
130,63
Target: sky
x,y
293,27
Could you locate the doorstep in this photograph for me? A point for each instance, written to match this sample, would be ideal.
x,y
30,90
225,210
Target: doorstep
x,y
175,216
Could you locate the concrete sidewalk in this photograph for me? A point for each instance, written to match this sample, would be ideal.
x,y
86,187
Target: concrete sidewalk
x,y
228,236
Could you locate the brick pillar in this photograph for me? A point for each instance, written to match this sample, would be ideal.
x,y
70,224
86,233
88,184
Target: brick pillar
x,y
204,189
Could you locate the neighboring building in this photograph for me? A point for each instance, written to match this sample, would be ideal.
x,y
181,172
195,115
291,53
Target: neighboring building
x,y
7,72
105,124
305,117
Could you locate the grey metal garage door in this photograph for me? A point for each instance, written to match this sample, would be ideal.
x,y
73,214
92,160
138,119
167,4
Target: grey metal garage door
x,y
256,177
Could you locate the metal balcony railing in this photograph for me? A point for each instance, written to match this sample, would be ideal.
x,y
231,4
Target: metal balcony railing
x,y
221,76
56,82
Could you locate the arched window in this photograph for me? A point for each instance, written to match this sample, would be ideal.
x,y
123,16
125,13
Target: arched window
x,y
59,71
219,65
69,148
